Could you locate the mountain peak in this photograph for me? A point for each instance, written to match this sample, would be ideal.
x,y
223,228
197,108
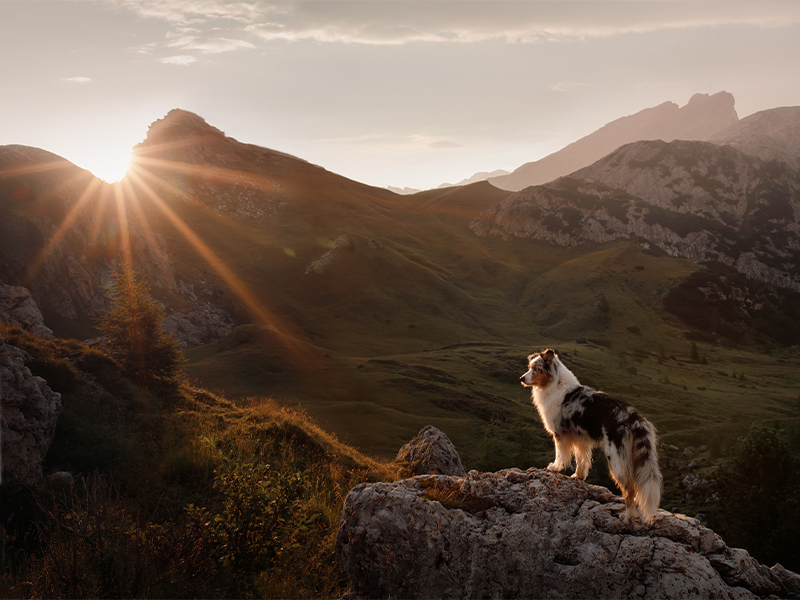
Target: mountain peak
x,y
701,118
722,98
180,124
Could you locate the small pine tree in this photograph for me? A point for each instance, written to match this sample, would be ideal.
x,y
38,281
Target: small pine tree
x,y
135,330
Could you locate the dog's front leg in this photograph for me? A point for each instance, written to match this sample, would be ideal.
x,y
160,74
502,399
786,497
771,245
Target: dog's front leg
x,y
563,454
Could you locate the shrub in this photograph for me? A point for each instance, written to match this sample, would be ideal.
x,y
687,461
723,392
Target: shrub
x,y
261,518
759,499
93,545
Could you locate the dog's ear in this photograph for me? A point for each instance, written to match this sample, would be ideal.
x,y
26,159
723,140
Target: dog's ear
x,y
548,355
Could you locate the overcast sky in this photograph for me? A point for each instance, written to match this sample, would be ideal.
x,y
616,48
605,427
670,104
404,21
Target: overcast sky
x,y
386,92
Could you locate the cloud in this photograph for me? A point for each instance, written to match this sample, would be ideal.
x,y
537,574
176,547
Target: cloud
x,y
146,48
76,79
186,12
209,46
183,59
375,22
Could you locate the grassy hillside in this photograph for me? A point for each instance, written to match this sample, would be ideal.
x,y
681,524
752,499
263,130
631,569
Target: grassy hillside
x,y
600,309
375,315
186,495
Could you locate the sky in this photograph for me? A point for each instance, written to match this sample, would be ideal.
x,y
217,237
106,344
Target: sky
x,y
401,93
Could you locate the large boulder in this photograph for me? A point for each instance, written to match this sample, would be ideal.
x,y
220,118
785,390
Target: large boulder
x,y
28,413
17,307
533,534
431,452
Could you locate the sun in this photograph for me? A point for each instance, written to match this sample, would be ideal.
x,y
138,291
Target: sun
x,y
109,163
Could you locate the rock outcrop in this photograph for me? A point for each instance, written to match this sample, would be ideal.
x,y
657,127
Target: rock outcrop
x,y
17,307
534,534
431,452
772,134
28,413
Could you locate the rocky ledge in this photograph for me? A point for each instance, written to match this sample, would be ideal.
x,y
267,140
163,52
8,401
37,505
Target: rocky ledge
x,y
29,410
533,534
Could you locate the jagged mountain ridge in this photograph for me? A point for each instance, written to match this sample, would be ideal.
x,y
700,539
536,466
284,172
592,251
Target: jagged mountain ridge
x,y
352,276
701,118
292,230
691,199
772,134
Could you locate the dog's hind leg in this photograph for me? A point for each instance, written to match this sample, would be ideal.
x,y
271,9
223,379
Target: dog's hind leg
x,y
630,508
583,460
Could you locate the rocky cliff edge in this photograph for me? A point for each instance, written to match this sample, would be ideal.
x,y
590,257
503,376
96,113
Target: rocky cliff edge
x,y
533,534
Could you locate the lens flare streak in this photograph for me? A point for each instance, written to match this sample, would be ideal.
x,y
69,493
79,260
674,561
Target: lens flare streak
x,y
236,284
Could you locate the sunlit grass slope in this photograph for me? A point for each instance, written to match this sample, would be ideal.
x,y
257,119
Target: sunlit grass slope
x,y
165,484
601,309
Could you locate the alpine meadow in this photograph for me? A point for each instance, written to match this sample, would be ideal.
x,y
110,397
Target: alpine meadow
x,y
208,367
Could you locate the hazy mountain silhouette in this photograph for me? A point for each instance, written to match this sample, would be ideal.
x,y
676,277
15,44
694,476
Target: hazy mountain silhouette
x,y
321,268
772,134
481,176
703,117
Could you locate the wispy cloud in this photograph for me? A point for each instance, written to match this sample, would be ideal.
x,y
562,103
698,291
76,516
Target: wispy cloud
x,y
400,22
181,60
76,79
209,46
186,12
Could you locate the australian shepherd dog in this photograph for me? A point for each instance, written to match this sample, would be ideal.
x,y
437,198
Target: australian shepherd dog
x,y
579,419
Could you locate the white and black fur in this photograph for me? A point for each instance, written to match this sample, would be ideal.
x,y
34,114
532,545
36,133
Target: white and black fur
x,y
580,418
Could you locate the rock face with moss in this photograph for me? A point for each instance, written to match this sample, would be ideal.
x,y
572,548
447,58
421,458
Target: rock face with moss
x,y
28,413
534,534
431,452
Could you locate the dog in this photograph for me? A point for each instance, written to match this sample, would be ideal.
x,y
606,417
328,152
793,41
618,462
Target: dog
x,y
580,419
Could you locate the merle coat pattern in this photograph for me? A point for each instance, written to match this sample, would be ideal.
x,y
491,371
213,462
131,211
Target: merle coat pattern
x,y
580,418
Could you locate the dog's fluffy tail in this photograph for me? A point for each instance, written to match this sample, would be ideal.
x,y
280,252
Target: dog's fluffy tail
x,y
646,473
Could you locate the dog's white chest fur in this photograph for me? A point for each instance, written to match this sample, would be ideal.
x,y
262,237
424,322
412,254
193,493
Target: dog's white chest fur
x,y
548,401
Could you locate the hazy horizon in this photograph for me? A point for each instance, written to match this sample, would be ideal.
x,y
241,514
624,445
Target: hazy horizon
x,y
405,94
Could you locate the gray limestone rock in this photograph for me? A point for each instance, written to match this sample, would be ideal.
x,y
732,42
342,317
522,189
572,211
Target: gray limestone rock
x,y
431,452
28,413
17,307
534,534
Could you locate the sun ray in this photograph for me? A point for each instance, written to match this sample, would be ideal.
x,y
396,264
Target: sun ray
x,y
37,168
147,231
171,188
99,216
63,227
218,174
124,231
241,290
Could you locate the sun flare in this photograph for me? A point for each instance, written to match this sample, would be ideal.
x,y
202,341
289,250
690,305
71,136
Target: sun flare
x,y
109,164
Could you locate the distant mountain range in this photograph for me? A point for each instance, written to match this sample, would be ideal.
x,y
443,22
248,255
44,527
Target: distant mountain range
x,y
285,279
482,176
703,117
277,217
